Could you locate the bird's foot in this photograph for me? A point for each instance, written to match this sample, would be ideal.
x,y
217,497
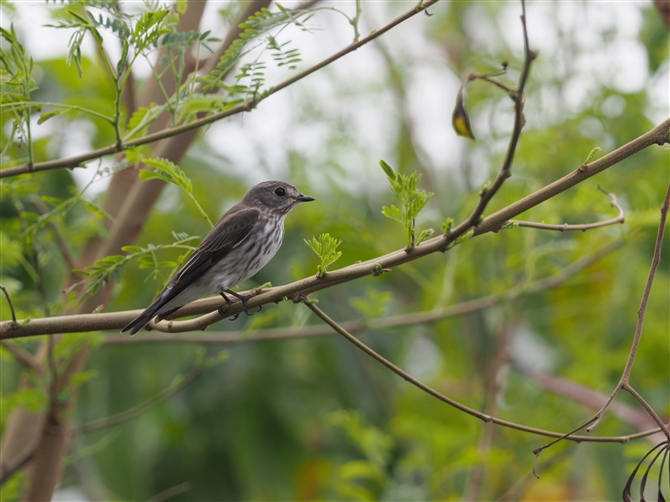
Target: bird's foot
x,y
243,299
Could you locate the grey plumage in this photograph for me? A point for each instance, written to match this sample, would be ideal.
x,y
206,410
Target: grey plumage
x,y
242,242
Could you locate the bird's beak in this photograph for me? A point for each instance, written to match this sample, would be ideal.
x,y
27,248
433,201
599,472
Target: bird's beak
x,y
304,198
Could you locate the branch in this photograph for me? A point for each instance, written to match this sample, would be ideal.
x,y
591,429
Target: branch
x,y
625,377
9,301
657,136
517,95
117,320
245,106
451,402
584,227
590,398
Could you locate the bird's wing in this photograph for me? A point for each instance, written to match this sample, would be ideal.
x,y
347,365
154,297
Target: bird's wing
x,y
227,234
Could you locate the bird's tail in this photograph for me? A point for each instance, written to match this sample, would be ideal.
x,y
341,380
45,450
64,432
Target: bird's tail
x,y
149,313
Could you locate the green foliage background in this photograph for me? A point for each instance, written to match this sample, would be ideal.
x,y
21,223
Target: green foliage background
x,y
313,418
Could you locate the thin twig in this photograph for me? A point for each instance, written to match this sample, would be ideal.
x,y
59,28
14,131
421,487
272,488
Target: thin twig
x,y
664,427
589,397
625,377
490,78
470,411
9,301
246,106
582,227
517,95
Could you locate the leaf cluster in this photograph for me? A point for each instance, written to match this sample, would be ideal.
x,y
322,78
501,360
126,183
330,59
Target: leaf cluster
x,y
170,172
282,56
325,247
110,266
355,478
16,69
253,28
413,200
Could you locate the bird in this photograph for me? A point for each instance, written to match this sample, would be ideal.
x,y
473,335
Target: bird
x,y
242,242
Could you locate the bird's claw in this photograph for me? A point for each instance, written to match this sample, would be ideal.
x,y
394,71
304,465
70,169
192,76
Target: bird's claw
x,y
243,299
246,308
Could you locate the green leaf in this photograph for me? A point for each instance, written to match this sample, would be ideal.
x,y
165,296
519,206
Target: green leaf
x,y
46,116
592,155
394,213
425,234
33,399
167,171
12,490
171,173
406,189
447,225
132,249
388,169
375,444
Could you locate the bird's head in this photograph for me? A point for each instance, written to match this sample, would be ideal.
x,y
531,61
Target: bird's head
x,y
276,196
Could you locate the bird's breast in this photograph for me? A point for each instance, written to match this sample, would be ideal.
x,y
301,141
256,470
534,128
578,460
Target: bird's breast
x,y
248,258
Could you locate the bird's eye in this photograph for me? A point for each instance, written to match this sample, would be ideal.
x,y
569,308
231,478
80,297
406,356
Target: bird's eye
x,y
280,192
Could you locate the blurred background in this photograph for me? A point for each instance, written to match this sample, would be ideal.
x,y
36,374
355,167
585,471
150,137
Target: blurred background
x,y
313,418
